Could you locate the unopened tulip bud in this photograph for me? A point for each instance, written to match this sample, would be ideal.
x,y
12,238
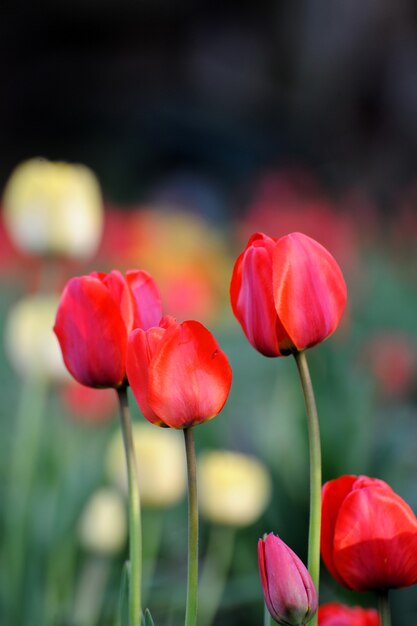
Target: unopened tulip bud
x,y
288,589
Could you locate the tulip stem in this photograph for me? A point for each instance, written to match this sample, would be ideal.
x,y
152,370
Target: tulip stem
x,y
315,472
135,533
384,608
267,616
192,583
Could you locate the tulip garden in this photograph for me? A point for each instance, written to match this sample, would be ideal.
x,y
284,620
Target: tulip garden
x,y
206,426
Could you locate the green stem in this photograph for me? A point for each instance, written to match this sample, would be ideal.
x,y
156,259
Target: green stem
x,y
315,472
152,523
215,569
267,616
384,608
26,448
135,533
192,582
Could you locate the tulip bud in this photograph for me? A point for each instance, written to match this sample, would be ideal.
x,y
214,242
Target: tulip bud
x,y
361,553
288,294
53,208
95,315
288,589
178,374
234,489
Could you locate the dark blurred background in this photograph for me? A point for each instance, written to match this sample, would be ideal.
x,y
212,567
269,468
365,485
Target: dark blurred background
x,y
139,90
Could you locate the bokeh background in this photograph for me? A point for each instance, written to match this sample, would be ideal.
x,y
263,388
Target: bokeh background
x,y
204,124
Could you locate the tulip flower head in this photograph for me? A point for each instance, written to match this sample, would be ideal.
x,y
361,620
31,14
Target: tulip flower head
x,y
54,208
369,534
288,589
335,614
178,373
288,294
95,315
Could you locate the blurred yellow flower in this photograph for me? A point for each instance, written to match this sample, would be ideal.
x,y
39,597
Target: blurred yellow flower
x,y
161,464
30,343
53,208
103,526
234,489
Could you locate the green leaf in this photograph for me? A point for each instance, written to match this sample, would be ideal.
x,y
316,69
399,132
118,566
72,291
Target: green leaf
x,y
147,618
123,612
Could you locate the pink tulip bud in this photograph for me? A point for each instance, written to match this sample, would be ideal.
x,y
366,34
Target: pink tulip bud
x,y
288,589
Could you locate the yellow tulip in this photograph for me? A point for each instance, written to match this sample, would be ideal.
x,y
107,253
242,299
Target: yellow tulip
x,y
161,464
103,526
53,208
30,343
234,489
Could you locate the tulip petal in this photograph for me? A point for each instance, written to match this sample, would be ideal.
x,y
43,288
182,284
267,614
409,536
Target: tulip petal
x,y
335,614
140,350
91,333
309,289
119,291
146,298
252,296
375,540
333,494
189,377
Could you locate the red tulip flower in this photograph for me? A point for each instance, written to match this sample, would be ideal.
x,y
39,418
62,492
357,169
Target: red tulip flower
x,y
178,373
95,315
288,294
288,590
334,614
369,534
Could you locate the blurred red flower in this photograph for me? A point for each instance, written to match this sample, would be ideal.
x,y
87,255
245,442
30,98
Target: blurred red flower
x,y
392,356
335,614
369,534
288,294
94,317
178,373
88,405
292,199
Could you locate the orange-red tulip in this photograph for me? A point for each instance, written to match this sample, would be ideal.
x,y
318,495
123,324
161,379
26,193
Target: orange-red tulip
x,y
335,614
288,589
369,534
95,315
178,373
288,294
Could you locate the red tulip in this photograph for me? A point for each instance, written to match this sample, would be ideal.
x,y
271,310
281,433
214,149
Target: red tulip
x,y
95,315
369,534
288,590
334,614
178,373
288,294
